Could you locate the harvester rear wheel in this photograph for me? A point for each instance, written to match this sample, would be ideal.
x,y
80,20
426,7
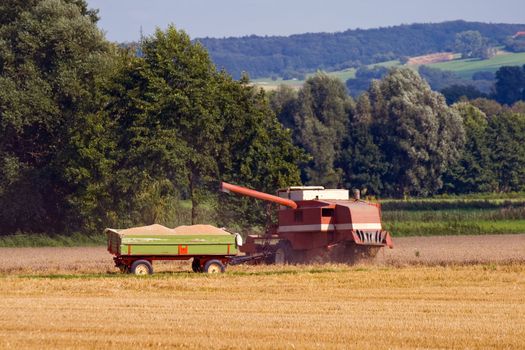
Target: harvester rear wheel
x,y
141,267
214,266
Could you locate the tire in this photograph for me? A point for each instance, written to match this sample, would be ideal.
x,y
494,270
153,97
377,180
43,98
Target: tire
x,y
283,253
196,265
141,267
214,266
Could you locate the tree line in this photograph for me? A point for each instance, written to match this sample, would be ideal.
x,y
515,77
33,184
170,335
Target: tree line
x,y
93,136
506,85
400,138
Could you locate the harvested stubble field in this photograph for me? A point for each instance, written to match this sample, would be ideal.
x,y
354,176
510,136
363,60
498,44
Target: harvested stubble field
x,y
73,298
436,250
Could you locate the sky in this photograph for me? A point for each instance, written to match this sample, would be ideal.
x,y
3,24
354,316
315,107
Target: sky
x,y
122,20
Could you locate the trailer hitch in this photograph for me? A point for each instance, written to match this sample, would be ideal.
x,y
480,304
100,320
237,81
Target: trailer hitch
x,y
249,258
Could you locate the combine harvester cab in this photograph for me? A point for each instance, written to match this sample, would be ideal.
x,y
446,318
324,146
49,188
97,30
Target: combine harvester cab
x,y
317,224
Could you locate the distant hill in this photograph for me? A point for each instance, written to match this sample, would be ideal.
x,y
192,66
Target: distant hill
x,y
303,53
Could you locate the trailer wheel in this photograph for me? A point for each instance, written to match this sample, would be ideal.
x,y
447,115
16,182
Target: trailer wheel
x,y
214,266
141,267
196,265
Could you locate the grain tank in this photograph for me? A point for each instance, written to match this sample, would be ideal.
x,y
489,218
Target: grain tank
x,y
315,223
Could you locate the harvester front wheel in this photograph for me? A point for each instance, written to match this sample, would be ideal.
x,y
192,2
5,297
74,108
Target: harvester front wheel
x,y
141,267
214,266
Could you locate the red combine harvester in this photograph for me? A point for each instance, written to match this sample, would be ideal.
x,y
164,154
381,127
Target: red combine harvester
x,y
317,224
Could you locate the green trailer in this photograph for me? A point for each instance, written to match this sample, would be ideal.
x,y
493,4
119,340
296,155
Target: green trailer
x,y
135,249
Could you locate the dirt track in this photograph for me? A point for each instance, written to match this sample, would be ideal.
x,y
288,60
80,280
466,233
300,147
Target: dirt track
x,y
432,58
407,251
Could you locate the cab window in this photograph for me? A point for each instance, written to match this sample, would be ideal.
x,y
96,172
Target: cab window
x,y
327,212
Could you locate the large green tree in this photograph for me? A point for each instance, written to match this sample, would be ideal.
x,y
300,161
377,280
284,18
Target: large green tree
x,y
473,172
52,61
417,133
506,138
362,161
180,125
471,44
261,155
510,84
283,102
321,121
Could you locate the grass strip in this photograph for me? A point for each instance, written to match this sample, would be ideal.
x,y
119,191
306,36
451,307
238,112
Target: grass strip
x,y
43,240
457,227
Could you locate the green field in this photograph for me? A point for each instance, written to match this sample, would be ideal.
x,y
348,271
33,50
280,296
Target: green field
x,y
343,75
465,68
44,240
455,215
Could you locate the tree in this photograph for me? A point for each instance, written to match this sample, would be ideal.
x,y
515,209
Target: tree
x,y
488,106
320,122
473,171
180,126
471,44
149,173
515,44
454,93
53,59
362,162
519,107
439,79
510,84
417,133
363,77
261,156
283,102
506,137
484,75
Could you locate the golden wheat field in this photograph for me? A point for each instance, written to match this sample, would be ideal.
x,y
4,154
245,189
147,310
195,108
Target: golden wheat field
x,y
53,298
